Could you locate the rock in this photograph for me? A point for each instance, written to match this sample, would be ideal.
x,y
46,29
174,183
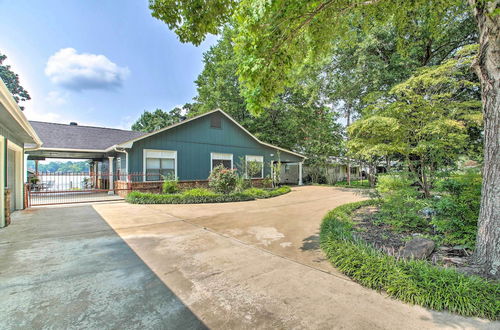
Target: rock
x,y
417,248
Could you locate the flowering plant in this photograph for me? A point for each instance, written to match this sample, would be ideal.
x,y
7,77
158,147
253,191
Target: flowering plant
x,y
223,180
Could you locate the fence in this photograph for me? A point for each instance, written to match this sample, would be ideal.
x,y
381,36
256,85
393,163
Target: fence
x,y
46,188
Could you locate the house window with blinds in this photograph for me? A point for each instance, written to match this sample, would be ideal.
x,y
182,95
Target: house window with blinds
x,y
254,167
160,164
225,160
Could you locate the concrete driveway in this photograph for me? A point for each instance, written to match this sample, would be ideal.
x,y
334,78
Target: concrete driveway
x,y
237,265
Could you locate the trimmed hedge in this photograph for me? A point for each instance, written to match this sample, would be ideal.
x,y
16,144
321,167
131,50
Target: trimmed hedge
x,y
137,197
201,195
412,281
262,193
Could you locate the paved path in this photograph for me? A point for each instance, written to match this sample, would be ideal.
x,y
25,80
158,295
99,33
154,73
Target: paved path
x,y
65,268
257,265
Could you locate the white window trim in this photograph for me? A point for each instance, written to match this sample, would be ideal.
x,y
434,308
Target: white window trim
x,y
260,161
212,154
144,154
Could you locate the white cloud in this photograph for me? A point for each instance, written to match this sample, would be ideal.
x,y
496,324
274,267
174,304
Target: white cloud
x,y
56,98
77,72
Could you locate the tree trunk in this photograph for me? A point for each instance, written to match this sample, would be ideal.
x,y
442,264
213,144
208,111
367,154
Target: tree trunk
x,y
487,67
348,115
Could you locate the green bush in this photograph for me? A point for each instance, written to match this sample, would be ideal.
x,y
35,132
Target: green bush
x,y
170,185
264,193
223,180
242,183
196,192
202,195
415,282
137,197
401,203
457,210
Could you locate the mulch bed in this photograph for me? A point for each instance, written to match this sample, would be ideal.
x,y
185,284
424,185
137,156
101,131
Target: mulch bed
x,y
384,238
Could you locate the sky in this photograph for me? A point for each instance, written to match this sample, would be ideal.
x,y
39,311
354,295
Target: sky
x,y
96,62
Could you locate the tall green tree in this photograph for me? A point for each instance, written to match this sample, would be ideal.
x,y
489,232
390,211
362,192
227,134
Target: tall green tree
x,y
276,39
297,120
158,119
425,121
11,80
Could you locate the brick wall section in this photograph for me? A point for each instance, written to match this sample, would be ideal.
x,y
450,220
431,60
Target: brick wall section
x,y
122,188
7,206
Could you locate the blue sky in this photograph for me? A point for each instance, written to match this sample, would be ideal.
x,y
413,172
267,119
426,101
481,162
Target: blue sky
x,y
96,62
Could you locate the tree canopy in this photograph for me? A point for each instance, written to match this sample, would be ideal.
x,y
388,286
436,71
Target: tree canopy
x,y
276,40
11,80
428,120
298,120
152,121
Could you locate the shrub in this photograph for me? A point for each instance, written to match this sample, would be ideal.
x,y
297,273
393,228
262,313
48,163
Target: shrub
x,y
262,193
242,183
223,180
457,210
415,282
254,192
199,192
401,203
202,195
267,182
170,185
197,197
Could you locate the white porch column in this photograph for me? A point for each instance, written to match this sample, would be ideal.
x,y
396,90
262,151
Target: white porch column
x,y
111,176
25,169
300,174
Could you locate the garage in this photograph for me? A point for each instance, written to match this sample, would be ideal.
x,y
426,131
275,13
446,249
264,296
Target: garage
x,y
16,135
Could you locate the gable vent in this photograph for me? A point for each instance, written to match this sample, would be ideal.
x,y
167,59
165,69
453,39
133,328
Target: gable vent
x,y
216,121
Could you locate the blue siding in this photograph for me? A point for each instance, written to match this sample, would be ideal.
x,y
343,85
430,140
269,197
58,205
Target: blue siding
x,y
195,140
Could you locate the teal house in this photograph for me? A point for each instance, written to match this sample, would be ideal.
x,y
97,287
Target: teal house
x,y
188,150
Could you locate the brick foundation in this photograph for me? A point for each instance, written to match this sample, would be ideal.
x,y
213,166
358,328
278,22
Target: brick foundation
x,y
7,206
122,188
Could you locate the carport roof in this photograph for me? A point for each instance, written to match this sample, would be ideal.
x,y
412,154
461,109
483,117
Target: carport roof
x,y
77,137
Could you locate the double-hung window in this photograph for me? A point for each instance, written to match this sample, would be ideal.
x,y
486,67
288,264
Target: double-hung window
x,y
159,163
254,167
217,159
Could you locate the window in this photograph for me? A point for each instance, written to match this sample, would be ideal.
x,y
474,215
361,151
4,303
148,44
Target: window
x,y
159,163
118,165
254,167
215,121
217,159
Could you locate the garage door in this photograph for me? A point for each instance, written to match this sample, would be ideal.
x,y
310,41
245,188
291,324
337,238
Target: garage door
x,y
11,177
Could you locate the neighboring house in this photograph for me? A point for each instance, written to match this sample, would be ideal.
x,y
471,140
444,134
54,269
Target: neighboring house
x,y
16,134
187,150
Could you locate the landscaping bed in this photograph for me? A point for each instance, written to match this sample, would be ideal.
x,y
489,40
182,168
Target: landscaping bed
x,y
392,242
413,281
201,195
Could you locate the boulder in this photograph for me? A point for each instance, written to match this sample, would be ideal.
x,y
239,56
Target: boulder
x,y
417,248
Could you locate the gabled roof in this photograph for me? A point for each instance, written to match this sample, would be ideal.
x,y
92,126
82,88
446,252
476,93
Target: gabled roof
x,y
83,138
129,143
14,119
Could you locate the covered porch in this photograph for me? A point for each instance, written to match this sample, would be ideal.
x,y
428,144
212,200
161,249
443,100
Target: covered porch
x,y
96,183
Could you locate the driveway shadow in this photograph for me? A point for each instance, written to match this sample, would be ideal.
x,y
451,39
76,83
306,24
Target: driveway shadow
x,y
66,268
310,243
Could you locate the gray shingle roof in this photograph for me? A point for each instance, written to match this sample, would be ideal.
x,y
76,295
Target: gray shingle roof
x,y
65,136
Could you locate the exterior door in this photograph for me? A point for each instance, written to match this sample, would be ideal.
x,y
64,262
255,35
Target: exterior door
x,y
11,177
